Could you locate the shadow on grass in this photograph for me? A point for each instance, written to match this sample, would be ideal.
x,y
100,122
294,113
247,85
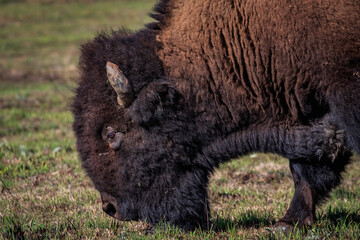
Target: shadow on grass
x,y
12,228
343,216
334,216
248,220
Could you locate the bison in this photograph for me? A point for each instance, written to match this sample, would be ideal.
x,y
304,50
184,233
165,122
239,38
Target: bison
x,y
156,111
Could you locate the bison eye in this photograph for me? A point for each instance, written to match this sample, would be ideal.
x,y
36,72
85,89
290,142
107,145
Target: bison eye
x,y
112,137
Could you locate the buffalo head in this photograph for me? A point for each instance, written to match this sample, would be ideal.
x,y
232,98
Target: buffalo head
x,y
138,148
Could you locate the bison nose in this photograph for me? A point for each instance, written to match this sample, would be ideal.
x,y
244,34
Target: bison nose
x,y
109,205
109,208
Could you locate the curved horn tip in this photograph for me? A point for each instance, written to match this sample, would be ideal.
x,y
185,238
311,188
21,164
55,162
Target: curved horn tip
x,y
111,68
121,84
110,64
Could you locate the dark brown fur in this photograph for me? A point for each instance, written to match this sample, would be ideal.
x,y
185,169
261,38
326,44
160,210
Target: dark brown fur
x,y
215,80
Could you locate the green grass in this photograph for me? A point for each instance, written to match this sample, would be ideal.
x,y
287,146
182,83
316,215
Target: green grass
x,y
42,40
44,192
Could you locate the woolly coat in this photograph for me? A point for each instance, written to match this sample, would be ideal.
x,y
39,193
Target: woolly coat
x,y
204,72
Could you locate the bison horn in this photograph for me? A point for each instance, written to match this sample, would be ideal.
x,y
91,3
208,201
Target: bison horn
x,y
121,84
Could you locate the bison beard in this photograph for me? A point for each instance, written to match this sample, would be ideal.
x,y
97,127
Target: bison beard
x,y
214,80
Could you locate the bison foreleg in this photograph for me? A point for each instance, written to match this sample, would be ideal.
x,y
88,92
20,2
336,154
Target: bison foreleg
x,y
317,157
312,144
302,207
313,183
307,144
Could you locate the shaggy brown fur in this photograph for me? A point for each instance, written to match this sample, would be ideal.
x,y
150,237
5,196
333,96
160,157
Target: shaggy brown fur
x,y
215,80
259,59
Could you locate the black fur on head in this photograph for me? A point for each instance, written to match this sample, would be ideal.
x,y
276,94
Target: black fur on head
x,y
150,176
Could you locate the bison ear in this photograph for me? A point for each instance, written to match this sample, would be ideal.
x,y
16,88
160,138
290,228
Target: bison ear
x,y
154,102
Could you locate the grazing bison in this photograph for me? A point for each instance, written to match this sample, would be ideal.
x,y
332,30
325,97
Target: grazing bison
x,y
158,110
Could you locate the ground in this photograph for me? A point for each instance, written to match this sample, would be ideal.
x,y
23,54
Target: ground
x,y
44,192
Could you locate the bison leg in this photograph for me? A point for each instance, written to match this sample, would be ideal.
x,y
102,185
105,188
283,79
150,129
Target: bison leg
x,y
314,144
313,183
302,206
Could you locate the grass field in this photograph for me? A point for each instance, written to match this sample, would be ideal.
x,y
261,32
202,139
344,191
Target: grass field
x,y
45,192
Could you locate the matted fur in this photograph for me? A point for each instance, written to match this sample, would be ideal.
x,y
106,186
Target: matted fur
x,y
215,80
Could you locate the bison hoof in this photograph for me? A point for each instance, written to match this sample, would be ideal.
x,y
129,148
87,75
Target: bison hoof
x,y
283,227
329,143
